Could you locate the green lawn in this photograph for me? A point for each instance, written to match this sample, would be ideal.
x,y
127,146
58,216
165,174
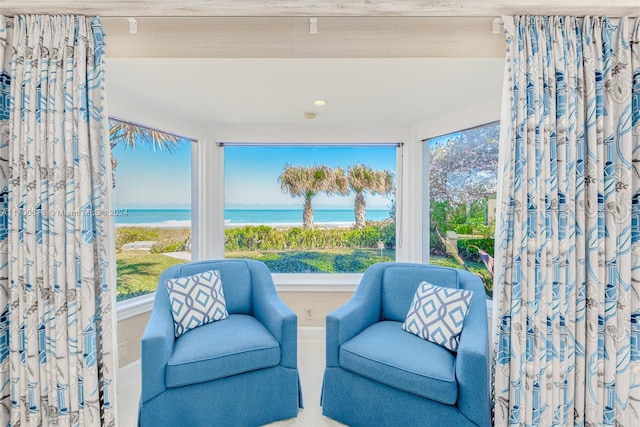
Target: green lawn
x,y
317,260
138,272
475,267
450,262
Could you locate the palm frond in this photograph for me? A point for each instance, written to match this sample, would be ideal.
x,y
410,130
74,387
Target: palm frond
x,y
337,184
364,178
131,134
307,181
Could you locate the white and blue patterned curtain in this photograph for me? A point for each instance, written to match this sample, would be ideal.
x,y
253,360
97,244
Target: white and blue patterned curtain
x,y
56,260
568,321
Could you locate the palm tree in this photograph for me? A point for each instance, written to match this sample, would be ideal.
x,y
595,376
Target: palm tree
x,y
363,178
338,183
130,134
308,181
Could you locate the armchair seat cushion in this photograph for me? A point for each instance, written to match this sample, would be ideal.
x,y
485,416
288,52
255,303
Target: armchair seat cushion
x,y
220,349
385,353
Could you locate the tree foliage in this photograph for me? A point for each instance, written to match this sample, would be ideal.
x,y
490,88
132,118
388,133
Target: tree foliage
x,y
363,178
308,181
464,168
131,134
463,173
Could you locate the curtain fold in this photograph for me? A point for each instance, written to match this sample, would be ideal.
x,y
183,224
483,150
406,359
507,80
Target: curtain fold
x,y
56,261
568,321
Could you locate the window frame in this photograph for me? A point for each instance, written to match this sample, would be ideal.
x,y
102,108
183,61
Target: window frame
x,y
320,282
338,281
141,304
293,135
426,185
207,199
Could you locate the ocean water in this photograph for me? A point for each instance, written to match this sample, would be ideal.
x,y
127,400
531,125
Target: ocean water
x,y
241,217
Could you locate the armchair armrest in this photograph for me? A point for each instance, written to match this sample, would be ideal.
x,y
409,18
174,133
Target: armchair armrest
x,y
472,364
360,312
157,346
274,314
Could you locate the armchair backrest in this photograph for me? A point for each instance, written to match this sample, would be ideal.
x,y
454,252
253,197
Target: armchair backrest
x,y
235,276
400,281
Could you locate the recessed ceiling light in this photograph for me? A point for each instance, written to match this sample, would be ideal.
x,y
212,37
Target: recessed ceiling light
x,y
319,102
310,116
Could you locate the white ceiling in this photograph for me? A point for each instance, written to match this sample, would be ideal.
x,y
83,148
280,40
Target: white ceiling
x,y
383,92
378,72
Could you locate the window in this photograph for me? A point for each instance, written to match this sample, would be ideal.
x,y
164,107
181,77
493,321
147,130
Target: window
x,y
463,171
152,197
310,209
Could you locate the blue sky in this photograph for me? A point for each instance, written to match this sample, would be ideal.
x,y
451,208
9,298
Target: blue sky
x,y
147,179
251,174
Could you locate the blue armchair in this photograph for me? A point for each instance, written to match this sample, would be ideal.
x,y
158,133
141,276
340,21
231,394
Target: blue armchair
x,y
238,371
378,374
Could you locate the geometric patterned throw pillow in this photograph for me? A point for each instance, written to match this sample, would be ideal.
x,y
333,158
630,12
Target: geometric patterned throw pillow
x,y
196,300
437,314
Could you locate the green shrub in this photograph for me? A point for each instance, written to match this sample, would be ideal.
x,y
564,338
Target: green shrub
x,y
439,211
484,230
463,228
366,237
265,238
169,245
467,248
389,235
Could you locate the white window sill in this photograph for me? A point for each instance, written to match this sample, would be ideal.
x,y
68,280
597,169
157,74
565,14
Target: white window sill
x,y
134,306
316,282
284,283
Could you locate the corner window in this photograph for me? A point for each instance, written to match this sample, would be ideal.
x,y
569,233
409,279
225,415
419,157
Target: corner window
x,y
463,171
310,209
152,199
